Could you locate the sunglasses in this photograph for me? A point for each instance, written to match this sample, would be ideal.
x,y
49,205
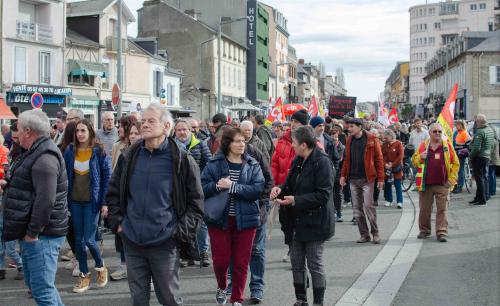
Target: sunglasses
x,y
437,132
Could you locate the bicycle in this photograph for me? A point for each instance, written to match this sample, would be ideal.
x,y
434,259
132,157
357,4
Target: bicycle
x,y
468,178
408,174
408,177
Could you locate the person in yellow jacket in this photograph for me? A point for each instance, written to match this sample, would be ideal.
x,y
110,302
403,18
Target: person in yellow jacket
x,y
437,171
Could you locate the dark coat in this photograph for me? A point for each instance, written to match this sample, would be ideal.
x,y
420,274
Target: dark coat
x,y
19,198
336,154
247,190
312,216
269,182
199,151
100,174
187,195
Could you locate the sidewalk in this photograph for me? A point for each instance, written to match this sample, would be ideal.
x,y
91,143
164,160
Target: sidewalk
x,y
465,270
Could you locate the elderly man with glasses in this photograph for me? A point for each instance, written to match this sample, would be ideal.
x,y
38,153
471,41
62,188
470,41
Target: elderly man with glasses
x,y
437,174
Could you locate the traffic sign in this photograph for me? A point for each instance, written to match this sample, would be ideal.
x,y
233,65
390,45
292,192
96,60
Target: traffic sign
x,y
115,94
37,100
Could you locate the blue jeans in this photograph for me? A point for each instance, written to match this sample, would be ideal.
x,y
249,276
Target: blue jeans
x,y
85,227
8,248
461,174
258,262
492,180
40,267
202,237
388,191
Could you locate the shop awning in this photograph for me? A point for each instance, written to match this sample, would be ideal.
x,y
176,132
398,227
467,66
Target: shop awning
x,y
77,68
5,112
243,107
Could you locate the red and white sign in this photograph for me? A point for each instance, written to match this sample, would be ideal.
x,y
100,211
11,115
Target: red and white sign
x,y
37,100
115,94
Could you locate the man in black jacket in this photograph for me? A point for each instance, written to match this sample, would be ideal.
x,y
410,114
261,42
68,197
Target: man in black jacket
x,y
35,205
155,203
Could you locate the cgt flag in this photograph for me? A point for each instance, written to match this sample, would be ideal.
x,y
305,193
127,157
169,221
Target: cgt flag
x,y
393,116
276,113
447,114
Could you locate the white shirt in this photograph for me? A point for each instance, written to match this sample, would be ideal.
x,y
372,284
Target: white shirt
x,y
416,137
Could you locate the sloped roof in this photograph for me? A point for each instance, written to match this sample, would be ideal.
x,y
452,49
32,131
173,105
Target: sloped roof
x,y
73,37
95,7
491,44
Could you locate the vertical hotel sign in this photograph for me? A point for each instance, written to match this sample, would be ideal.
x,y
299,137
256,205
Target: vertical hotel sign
x,y
252,50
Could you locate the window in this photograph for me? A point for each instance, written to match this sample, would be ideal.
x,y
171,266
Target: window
x,y
224,76
225,50
20,65
234,77
473,7
482,6
425,26
490,26
170,94
157,83
44,68
437,25
494,75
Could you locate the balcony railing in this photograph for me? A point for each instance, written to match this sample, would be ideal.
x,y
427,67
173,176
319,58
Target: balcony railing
x,y
34,31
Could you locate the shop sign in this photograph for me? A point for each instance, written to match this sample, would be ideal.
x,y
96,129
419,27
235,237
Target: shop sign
x,y
26,98
42,89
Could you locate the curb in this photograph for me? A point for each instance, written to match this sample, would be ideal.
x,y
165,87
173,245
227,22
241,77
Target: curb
x,y
381,280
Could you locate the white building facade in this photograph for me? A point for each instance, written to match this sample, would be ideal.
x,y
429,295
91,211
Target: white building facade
x,y
437,24
32,54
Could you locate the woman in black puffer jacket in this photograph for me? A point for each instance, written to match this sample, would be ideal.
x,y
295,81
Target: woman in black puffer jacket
x,y
308,216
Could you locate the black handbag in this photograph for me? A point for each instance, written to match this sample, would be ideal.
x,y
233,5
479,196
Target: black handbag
x,y
215,206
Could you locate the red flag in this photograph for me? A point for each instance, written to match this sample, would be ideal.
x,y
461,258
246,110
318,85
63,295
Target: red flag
x,y
228,119
313,107
447,114
277,112
393,116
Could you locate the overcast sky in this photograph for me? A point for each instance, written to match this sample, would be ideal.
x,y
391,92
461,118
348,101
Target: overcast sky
x,y
364,37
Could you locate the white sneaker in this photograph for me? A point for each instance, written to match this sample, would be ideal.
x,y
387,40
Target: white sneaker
x,y
387,204
121,273
286,258
71,264
400,205
76,270
67,255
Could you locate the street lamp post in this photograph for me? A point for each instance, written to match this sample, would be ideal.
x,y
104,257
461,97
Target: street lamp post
x,y
222,20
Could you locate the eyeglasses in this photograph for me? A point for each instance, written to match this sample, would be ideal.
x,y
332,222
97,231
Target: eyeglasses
x,y
437,132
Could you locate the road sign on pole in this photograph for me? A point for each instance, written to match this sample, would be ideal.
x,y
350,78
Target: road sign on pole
x,y
37,100
115,94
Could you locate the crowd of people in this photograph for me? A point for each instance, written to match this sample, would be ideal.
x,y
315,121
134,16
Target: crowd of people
x,y
179,192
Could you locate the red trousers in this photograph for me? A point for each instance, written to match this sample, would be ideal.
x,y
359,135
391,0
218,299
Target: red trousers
x,y
231,245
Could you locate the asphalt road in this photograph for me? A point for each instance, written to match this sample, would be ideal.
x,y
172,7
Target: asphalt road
x,y
344,259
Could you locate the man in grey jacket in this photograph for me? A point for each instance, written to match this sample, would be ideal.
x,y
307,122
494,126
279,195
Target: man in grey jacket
x,y
35,205
264,133
108,134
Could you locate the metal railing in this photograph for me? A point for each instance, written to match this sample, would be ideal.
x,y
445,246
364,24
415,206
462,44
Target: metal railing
x,y
34,31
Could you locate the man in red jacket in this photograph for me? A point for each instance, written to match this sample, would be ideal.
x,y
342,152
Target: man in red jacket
x,y
363,164
284,153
